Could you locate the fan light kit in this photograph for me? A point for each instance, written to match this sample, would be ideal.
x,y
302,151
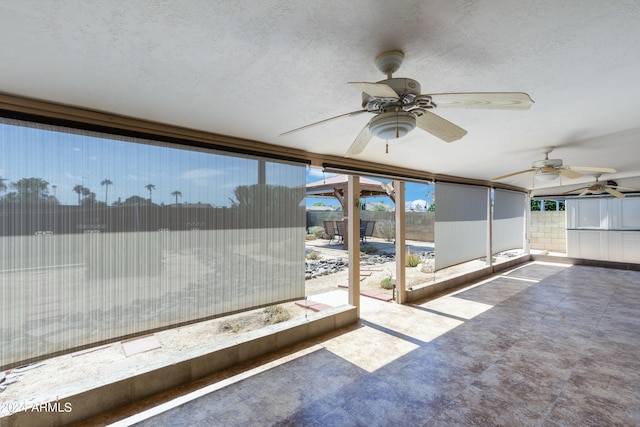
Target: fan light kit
x,y
399,107
392,125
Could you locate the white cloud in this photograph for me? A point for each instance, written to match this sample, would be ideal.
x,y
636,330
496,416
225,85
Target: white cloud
x,y
318,173
200,174
73,177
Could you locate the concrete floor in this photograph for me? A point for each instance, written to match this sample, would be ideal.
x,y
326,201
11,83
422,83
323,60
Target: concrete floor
x,y
544,344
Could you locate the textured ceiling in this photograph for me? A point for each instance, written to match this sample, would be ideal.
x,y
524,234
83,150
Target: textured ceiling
x,y
255,69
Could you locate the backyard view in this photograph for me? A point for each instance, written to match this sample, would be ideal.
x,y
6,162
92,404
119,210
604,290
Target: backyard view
x,y
111,262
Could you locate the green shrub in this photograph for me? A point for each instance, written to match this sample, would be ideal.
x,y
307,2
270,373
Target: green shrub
x,y
387,230
386,283
276,314
233,327
366,249
310,237
412,260
317,231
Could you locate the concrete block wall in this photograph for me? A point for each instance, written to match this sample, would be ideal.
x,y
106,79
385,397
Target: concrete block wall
x,y
419,225
548,231
548,228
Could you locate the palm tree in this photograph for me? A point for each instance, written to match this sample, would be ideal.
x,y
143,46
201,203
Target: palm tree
x,y
81,190
106,182
177,194
150,187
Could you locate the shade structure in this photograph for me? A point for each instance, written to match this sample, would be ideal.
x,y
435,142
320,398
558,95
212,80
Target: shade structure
x,y
336,186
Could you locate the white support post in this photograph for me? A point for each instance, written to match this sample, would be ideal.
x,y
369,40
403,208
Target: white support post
x,y
401,288
526,244
489,261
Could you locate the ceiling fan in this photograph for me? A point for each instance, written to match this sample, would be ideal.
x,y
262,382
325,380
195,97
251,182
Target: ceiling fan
x,y
399,107
549,169
599,187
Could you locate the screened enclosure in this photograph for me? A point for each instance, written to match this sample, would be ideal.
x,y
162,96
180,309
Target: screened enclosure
x,y
105,236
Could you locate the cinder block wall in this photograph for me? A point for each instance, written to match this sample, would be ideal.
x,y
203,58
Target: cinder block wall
x,y
548,228
548,231
419,225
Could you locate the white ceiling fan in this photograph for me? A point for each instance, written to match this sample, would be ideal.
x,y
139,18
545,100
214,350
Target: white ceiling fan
x,y
550,169
599,187
399,107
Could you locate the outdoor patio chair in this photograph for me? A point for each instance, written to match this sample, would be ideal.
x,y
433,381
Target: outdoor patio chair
x,y
366,230
340,231
330,229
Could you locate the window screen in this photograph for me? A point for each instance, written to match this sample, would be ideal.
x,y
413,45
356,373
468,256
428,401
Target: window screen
x,y
104,236
508,220
460,223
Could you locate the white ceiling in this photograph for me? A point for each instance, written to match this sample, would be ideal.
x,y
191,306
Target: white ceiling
x,y
255,69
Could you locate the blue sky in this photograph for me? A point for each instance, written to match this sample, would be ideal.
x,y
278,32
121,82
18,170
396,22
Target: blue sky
x,y
413,191
66,160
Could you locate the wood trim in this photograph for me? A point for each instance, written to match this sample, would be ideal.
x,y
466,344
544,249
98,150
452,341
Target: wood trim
x,y
186,136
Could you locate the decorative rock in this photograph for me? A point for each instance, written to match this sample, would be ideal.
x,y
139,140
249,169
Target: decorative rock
x,y
325,267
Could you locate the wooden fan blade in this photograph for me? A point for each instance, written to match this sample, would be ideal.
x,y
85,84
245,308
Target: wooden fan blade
x,y
360,142
570,173
377,90
614,193
511,174
353,113
491,100
574,190
592,169
617,187
437,126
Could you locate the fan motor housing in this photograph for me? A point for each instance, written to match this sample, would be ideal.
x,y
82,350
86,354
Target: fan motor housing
x,y
547,163
407,89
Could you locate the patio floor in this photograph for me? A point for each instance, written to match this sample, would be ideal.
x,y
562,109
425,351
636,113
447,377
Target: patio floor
x,y
541,345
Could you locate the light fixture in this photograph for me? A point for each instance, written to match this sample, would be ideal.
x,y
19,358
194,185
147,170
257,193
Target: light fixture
x,y
547,175
392,125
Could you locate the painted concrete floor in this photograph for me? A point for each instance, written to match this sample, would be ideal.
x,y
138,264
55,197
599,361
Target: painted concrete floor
x,y
542,345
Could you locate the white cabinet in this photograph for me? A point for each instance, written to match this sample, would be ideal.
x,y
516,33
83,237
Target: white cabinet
x,y
604,228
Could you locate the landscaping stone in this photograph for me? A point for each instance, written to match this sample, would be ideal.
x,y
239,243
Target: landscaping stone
x,y
325,267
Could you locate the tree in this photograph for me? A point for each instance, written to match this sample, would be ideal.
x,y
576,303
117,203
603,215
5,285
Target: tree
x,y
432,207
89,199
3,186
106,182
80,189
28,191
177,194
549,205
264,195
31,190
150,187
135,200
